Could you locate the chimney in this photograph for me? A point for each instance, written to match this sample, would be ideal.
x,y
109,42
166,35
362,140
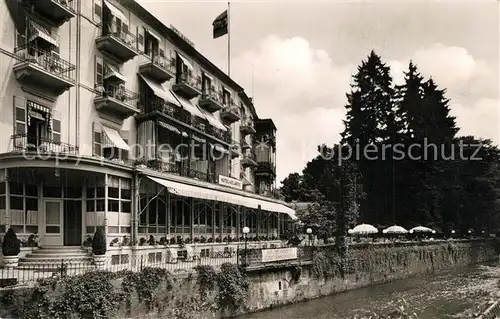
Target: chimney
x,y
251,99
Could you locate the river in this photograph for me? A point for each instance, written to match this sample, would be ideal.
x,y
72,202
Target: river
x,y
455,294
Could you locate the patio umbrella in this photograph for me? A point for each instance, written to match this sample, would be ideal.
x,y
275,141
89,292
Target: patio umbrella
x,y
420,229
364,229
395,230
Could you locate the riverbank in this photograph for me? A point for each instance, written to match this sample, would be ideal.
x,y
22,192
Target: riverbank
x,y
230,291
458,294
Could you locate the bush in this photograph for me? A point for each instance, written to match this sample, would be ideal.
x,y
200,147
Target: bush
x,y
99,242
11,246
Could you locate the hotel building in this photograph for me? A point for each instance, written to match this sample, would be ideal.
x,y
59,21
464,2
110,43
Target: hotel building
x,y
111,118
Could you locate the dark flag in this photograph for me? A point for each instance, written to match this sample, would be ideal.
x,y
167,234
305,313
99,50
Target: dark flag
x,y
220,25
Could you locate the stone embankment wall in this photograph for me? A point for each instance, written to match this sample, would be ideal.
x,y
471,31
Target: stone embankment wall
x,y
367,265
206,293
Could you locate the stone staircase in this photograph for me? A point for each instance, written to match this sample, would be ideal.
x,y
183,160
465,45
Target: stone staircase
x,y
54,256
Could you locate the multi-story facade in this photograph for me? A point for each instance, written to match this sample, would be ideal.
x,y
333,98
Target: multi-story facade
x,y
110,118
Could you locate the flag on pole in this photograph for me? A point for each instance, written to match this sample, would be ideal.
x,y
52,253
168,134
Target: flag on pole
x,y
220,25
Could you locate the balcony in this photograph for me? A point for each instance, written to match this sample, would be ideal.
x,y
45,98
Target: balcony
x,y
211,101
247,126
187,86
158,68
164,166
27,143
235,149
43,70
116,42
116,102
244,144
248,159
265,169
230,113
56,11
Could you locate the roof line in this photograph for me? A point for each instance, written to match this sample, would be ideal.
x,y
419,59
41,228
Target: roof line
x,y
182,44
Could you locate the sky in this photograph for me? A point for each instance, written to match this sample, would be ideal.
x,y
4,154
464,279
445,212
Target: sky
x,y
297,58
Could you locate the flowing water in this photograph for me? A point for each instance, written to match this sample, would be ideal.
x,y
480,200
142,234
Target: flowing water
x,y
456,294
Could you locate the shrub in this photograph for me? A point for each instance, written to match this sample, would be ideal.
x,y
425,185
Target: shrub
x,y
11,246
233,288
99,242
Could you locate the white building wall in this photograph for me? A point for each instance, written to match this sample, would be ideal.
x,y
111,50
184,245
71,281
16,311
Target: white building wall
x,y
75,107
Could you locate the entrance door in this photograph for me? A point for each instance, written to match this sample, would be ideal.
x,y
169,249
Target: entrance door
x,y
72,222
53,222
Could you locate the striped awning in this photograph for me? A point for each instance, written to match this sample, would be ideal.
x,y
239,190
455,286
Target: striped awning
x,y
112,71
185,61
36,110
114,139
169,127
117,13
38,31
213,119
200,192
198,139
38,107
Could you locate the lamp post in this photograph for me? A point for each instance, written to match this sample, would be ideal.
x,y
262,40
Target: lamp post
x,y
452,233
309,232
246,230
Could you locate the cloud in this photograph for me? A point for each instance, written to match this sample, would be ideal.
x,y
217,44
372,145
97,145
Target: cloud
x,y
303,90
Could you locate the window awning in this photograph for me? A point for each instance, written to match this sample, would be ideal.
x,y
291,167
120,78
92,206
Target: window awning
x,y
38,107
160,91
187,190
213,119
113,71
117,13
208,76
114,139
154,34
188,106
37,31
169,127
185,61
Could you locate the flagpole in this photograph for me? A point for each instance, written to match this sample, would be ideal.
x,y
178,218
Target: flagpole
x,y
228,39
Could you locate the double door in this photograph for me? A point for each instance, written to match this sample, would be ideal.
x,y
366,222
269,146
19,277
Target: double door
x,y
63,222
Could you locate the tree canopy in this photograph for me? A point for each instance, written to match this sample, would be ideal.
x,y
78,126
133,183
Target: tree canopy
x,y
419,171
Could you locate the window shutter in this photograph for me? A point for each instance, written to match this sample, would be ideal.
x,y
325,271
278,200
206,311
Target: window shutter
x,y
99,71
140,39
20,126
56,126
97,16
96,139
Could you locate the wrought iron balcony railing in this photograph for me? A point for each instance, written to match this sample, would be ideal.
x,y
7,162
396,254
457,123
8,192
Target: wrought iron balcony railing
x,y
157,104
117,30
119,93
179,168
48,60
41,145
163,62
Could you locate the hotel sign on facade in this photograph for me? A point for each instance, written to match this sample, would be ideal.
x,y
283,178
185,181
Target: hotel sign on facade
x,y
230,182
279,254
